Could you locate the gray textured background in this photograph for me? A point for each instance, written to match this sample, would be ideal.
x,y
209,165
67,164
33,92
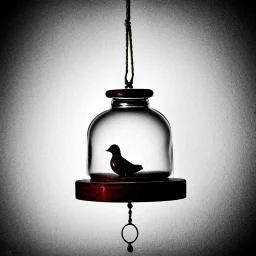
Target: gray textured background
x,y
57,60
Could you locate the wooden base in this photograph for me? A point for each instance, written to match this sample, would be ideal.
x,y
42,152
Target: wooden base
x,y
150,191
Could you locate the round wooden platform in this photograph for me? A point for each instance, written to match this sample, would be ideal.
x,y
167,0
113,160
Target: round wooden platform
x,y
150,191
129,93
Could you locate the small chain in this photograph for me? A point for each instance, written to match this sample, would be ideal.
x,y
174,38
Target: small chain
x,y
130,247
130,212
128,38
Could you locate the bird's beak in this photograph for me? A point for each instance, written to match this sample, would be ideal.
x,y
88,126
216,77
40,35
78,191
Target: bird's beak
x,y
107,150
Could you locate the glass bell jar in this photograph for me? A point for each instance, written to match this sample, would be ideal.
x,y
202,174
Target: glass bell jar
x,y
130,141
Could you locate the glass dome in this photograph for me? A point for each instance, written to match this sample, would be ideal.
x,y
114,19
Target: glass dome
x,y
130,141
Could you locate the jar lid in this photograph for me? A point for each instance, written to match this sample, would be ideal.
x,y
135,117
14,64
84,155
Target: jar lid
x,y
129,93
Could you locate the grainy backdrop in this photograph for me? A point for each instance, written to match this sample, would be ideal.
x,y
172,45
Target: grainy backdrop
x,y
57,60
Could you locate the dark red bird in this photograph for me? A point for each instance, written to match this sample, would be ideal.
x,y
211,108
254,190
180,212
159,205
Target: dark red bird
x,y
120,165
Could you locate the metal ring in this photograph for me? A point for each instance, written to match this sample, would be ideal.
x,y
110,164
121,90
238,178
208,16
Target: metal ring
x,y
122,233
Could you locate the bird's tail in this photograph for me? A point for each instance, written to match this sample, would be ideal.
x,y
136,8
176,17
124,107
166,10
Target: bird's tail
x,y
135,168
138,167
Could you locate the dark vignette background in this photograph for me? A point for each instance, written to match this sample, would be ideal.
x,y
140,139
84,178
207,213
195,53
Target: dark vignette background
x,y
242,13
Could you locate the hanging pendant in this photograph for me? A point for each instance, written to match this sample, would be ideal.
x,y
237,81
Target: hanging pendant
x,y
130,224
139,139
141,160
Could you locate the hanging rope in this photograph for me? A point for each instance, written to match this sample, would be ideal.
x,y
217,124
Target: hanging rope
x,y
128,84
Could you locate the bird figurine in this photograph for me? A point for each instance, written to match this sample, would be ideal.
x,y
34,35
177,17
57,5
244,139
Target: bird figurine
x,y
120,165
